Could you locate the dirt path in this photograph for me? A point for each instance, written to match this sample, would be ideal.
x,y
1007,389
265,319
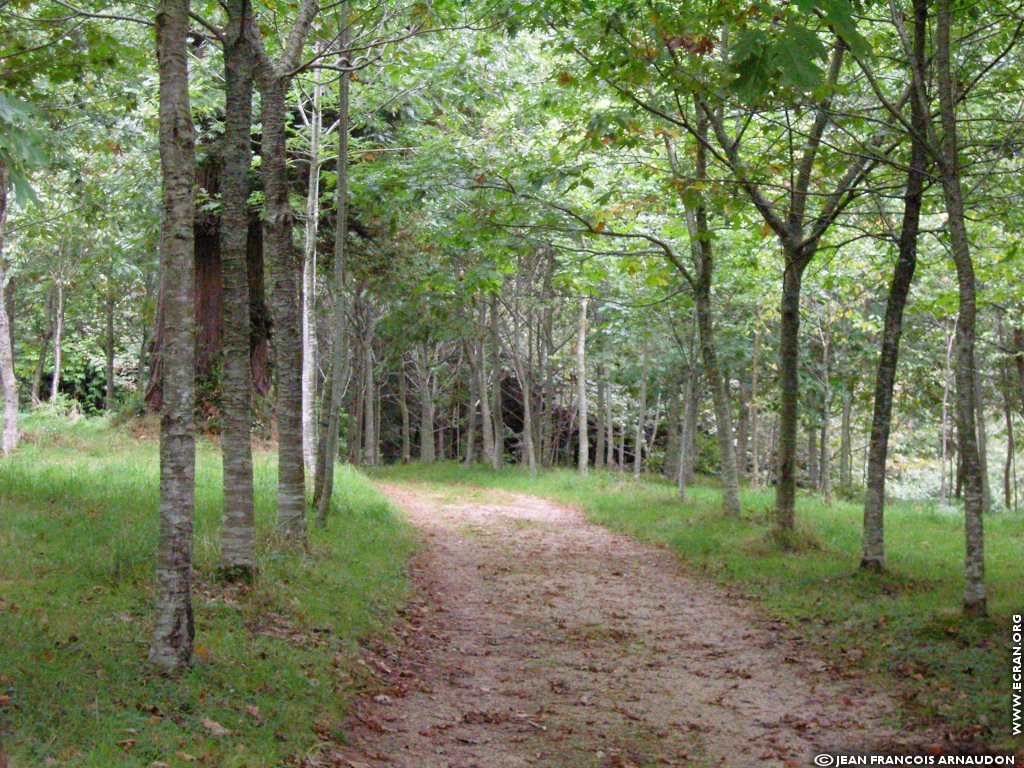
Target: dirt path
x,y
544,640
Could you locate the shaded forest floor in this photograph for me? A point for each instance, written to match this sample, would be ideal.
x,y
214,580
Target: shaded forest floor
x,y
946,680
276,665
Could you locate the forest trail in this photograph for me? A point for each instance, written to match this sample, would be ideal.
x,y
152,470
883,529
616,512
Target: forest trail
x,y
540,639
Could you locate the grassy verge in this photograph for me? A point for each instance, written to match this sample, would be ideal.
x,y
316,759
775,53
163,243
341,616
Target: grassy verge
x,y
276,664
903,625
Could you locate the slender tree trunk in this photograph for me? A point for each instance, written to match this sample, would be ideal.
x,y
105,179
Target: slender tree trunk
x,y
755,466
426,390
845,457
622,445
44,343
784,521
974,572
743,430
701,248
723,408
497,406
474,376
812,456
979,417
403,405
7,378
58,347
173,627
109,395
599,448
237,534
947,383
286,268
825,465
335,393
369,409
641,417
1006,388
581,376
609,458
483,392
310,349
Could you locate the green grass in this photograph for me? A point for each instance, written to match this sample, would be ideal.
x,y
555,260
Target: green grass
x,y
904,625
276,664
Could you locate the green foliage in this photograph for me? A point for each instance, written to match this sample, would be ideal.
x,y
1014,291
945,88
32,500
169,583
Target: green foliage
x,y
77,537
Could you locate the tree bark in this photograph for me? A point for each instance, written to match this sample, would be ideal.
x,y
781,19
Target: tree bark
x,y
335,393
403,406
641,416
979,417
109,400
58,336
281,253
599,448
7,378
286,269
845,458
581,377
173,628
825,465
784,518
237,533
974,571
755,466
496,394
423,373
44,345
310,351
369,409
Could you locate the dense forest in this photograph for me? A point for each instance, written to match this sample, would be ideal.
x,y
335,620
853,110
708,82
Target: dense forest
x,y
766,251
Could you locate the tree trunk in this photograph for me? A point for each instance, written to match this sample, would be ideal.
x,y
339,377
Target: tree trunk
x,y
334,395
496,405
825,465
427,453
474,376
7,378
845,455
483,392
58,335
755,465
282,255
974,572
44,344
979,416
784,518
701,248
743,430
109,400
873,557
609,458
722,403
581,377
237,533
599,448
947,382
310,350
403,405
641,416
1007,390
812,456
369,409
173,628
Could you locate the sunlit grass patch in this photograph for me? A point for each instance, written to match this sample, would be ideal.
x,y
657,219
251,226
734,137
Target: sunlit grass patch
x,y
78,525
